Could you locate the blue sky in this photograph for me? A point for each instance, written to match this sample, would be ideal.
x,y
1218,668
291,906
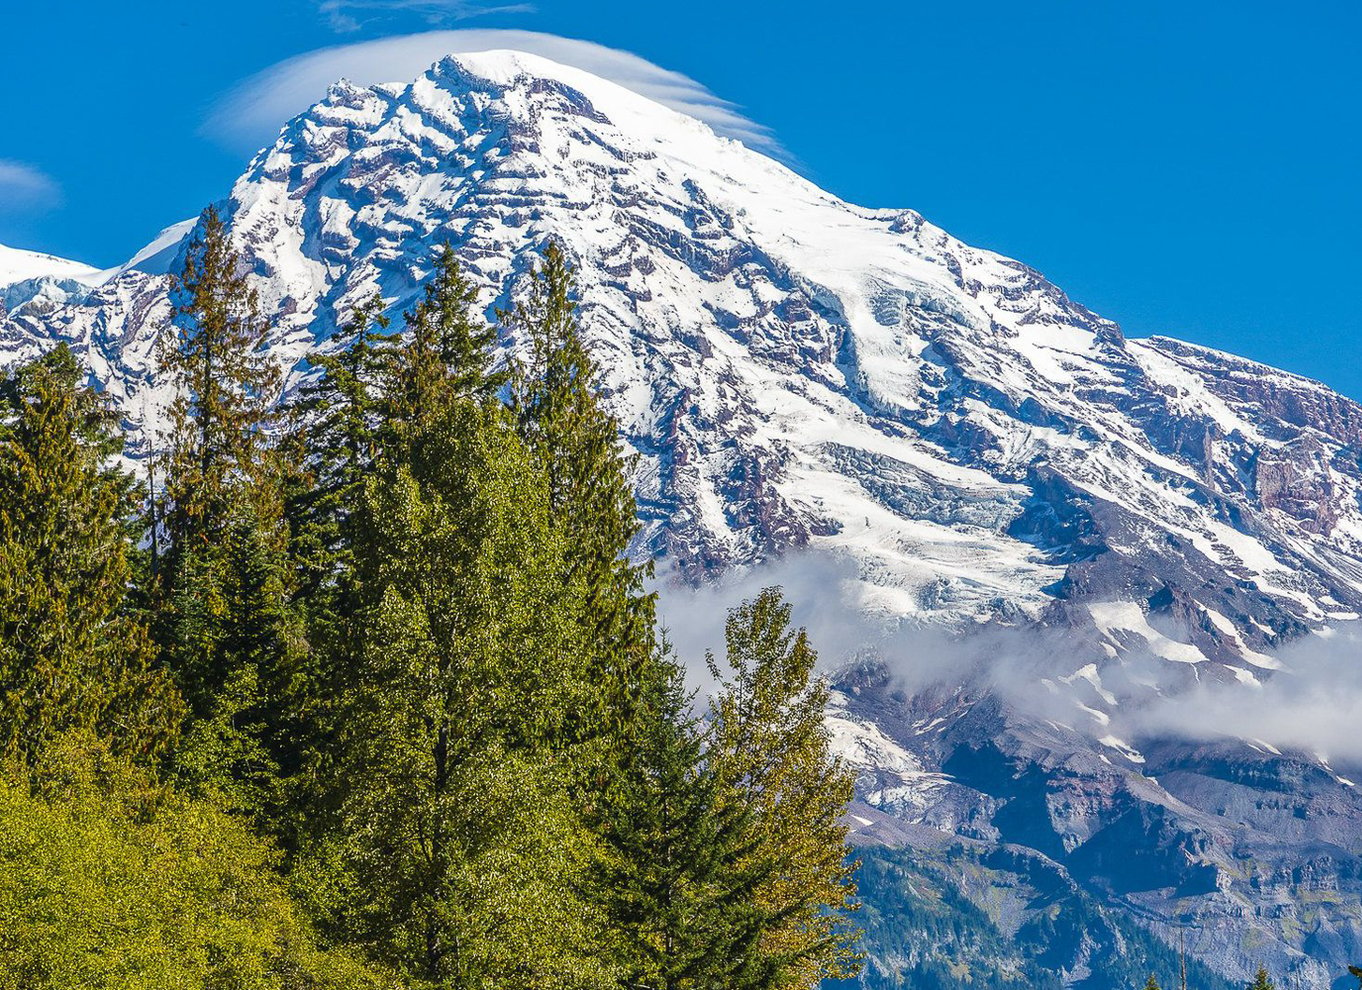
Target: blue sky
x,y
1185,168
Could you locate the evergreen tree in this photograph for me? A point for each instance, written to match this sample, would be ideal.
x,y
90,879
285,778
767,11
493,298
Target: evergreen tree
x,y
772,750
676,872
225,386
1261,980
452,848
1151,983
576,444
222,581
457,849
446,352
335,432
73,655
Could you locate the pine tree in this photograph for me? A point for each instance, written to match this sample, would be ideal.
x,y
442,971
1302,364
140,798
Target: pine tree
x,y
676,873
73,655
576,444
455,829
452,848
335,425
446,352
225,625
1261,980
225,387
772,750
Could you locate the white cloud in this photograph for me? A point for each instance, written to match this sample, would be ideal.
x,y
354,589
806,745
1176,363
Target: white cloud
x,y
251,114
24,188
1312,706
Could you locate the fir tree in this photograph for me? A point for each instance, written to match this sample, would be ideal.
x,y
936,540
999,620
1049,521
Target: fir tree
x,y
446,352
73,655
455,832
225,386
1261,980
222,583
335,432
452,848
1151,983
677,874
576,444
771,747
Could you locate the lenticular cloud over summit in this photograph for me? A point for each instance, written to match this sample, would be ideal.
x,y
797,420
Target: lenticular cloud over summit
x,y
250,115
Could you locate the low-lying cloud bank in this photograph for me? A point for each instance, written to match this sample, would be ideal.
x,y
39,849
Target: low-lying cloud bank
x,y
1312,706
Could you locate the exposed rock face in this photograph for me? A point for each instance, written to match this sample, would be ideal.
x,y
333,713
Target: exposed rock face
x,y
798,372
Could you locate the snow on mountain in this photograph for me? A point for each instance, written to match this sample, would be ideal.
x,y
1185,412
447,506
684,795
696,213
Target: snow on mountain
x,y
20,266
801,373
41,281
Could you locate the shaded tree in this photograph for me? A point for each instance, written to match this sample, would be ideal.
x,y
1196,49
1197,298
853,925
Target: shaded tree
x,y
772,749
74,654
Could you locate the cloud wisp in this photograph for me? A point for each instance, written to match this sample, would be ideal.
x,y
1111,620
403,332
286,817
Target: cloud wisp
x,y
345,16
1312,706
25,189
250,115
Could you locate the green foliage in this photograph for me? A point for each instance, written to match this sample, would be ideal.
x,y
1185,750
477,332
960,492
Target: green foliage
x,y
675,873
445,354
225,385
73,655
453,849
770,747
334,431
110,880
575,444
224,621
423,706
1261,980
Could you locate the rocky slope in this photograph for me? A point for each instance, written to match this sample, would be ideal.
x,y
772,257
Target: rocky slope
x,y
801,374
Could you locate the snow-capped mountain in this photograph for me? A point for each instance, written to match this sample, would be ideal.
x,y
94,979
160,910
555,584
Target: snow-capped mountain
x,y
41,281
799,373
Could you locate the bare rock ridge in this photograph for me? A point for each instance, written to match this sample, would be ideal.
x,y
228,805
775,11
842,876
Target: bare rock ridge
x,y
798,372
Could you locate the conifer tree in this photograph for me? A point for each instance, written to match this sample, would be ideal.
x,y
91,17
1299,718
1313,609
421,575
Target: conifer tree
x,y
335,429
457,833
225,386
446,351
453,849
225,624
677,873
73,655
1151,983
772,750
1262,981
576,443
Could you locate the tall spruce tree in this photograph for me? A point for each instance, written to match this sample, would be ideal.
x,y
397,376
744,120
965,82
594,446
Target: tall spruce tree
x,y
445,352
334,426
225,388
771,748
1262,981
222,580
73,655
453,849
676,872
576,443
